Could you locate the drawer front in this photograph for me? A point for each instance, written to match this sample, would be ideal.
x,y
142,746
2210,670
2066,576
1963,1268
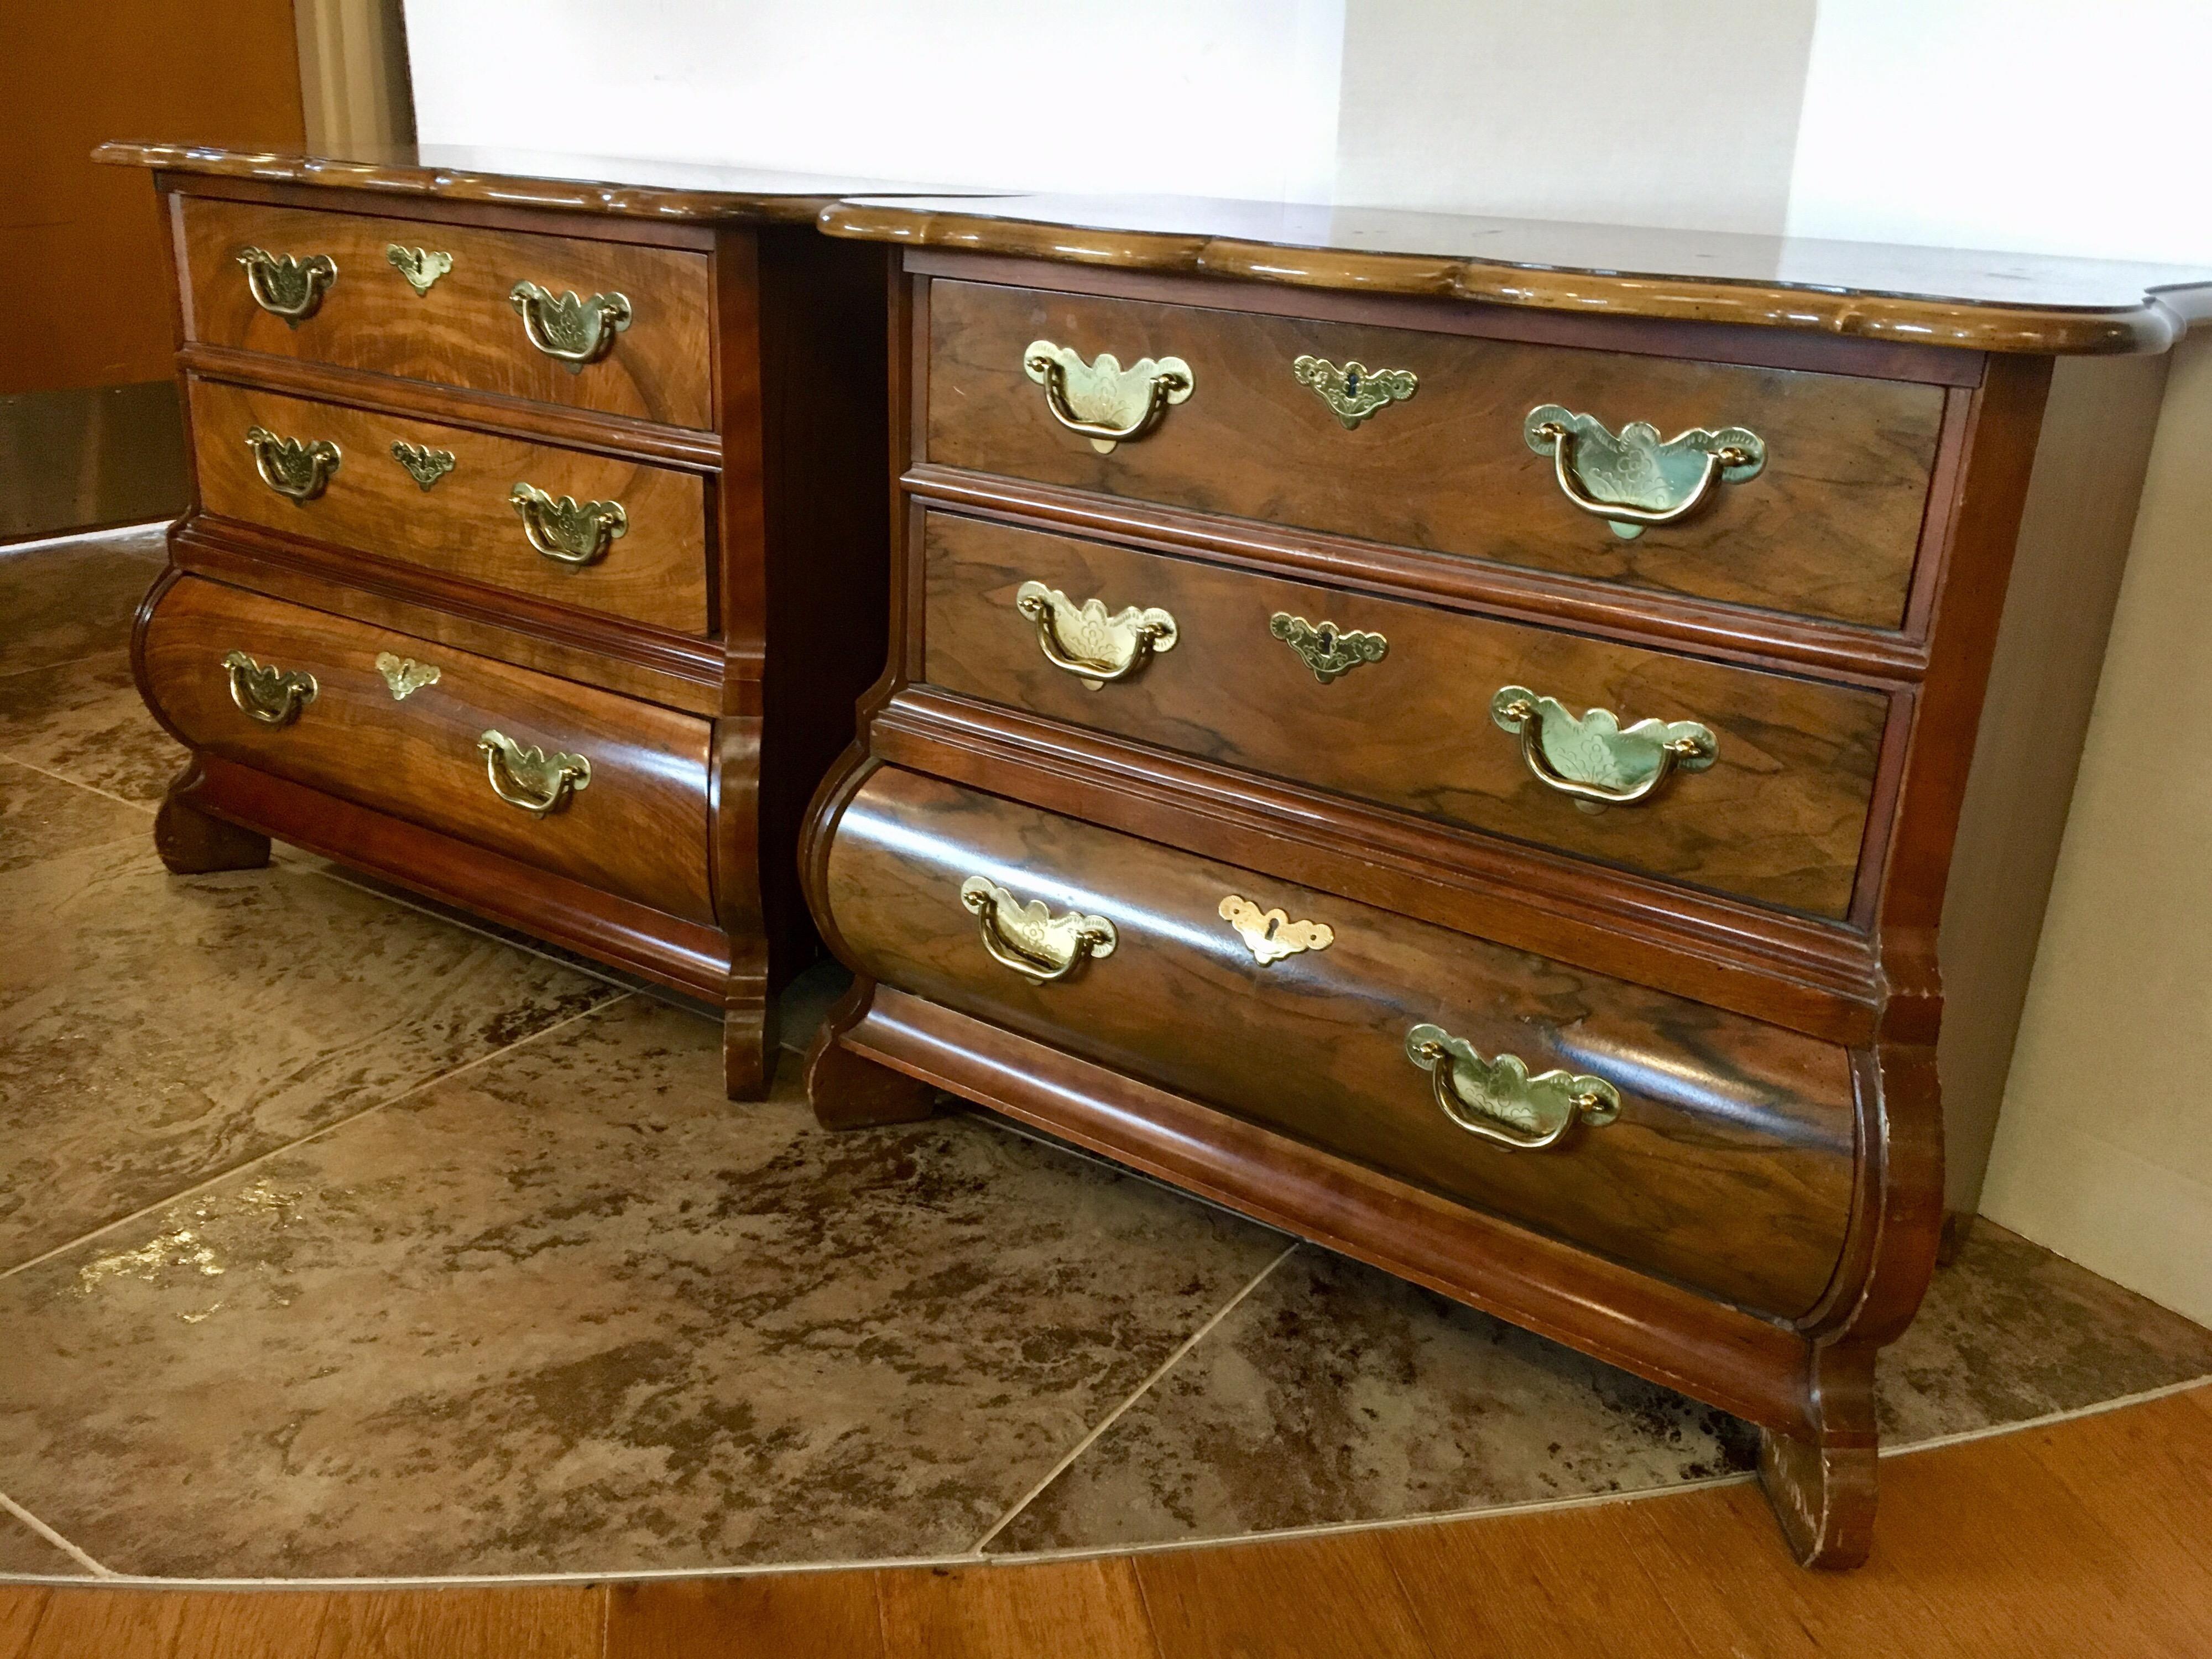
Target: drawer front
x,y
1826,528
465,330
1777,816
637,827
1727,1162
465,522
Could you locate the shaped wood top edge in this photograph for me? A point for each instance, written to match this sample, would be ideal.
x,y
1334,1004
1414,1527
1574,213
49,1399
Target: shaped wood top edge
x,y
618,187
2024,303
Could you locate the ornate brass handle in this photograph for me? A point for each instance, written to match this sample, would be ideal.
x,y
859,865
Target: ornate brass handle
x,y
565,532
528,778
1029,939
1082,640
1634,480
1498,1100
569,329
271,696
1102,401
285,286
1592,760
295,467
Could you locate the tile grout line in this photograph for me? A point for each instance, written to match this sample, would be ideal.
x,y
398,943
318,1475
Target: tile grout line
x,y
293,1145
1112,1417
10,1506
74,783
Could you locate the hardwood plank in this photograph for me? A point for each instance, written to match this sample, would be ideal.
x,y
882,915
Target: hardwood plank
x,y
1092,1608
270,1624
108,1624
21,1607
1556,1586
796,1615
521,1621
1336,1596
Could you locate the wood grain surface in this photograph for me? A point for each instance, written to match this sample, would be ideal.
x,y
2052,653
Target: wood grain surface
x,y
463,525
639,829
1730,1167
1779,817
1829,528
464,331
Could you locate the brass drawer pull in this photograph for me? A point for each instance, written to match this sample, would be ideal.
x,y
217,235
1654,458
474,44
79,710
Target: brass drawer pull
x,y
565,532
1634,480
271,696
421,266
569,329
1592,760
1029,939
1498,1100
1331,652
1082,640
422,463
528,778
1354,391
1102,401
287,287
295,467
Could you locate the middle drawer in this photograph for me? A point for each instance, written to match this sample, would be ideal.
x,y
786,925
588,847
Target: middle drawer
x,y
630,540
1766,794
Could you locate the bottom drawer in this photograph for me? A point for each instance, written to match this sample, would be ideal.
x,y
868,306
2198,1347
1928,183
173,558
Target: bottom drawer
x,y
1698,1144
591,785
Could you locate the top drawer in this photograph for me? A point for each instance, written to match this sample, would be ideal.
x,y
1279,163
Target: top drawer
x,y
466,328
1827,526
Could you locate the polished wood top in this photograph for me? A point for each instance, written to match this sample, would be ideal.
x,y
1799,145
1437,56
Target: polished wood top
x,y
1990,301
522,178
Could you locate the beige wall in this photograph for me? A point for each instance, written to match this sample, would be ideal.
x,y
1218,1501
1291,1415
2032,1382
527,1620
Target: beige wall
x,y
2103,1151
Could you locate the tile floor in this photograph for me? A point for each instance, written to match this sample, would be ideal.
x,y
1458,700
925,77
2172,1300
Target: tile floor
x,y
339,1238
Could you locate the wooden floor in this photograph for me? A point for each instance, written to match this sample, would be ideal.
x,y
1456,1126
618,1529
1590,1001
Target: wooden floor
x,y
2091,1537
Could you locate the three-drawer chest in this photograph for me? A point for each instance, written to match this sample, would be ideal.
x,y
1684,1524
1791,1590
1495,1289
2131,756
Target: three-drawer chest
x,y
535,555
1468,740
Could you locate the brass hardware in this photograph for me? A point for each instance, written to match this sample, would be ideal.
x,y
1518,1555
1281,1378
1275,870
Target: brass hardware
x,y
1102,401
1029,939
424,464
569,329
565,532
1634,481
1594,759
404,677
271,696
421,266
1354,391
1271,935
285,286
295,467
1331,652
1498,1100
1086,642
528,778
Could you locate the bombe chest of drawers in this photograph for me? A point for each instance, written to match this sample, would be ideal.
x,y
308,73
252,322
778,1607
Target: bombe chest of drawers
x,y
1454,737
536,545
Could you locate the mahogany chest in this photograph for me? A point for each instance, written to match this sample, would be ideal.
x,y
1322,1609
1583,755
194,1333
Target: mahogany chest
x,y
1454,737
536,548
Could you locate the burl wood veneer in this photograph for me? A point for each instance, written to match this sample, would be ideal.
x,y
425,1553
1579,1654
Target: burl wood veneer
x,y
1232,803
704,378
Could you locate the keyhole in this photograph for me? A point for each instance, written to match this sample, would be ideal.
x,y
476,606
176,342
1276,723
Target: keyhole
x,y
1270,934
1327,637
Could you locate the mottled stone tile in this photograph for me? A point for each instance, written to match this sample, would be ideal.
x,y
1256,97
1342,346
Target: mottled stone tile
x,y
86,721
155,1030
2010,1331
25,1553
41,817
65,599
572,1310
1335,1393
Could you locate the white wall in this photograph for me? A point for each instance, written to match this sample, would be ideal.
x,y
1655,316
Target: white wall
x,y
1193,97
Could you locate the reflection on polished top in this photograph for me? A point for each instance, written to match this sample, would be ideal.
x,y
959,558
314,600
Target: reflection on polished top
x,y
1938,296
523,178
